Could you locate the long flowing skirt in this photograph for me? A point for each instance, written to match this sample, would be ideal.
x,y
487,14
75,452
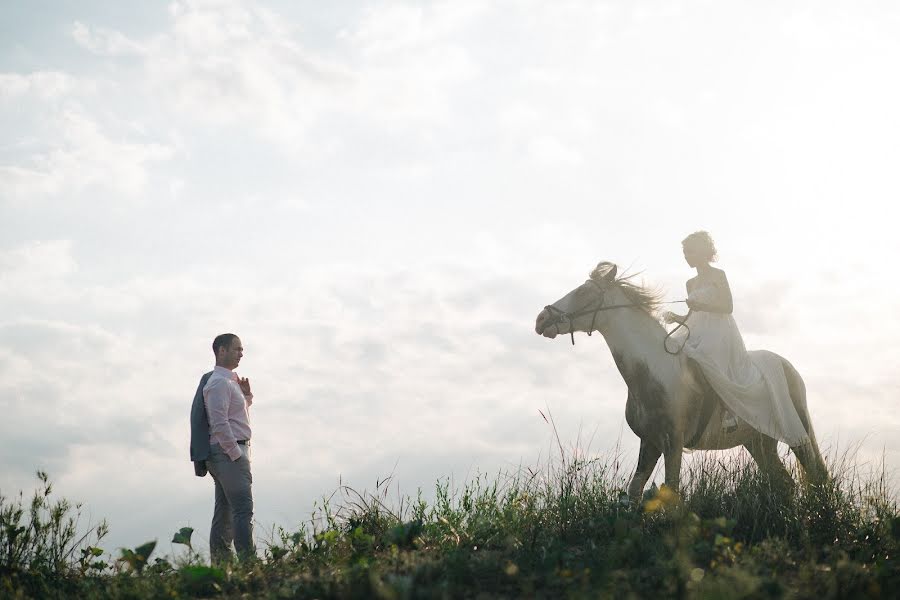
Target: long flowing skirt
x,y
751,384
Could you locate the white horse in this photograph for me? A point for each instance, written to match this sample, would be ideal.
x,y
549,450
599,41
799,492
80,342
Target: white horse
x,y
670,405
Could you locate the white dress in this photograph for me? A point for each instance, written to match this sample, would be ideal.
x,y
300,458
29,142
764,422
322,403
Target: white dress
x,y
751,384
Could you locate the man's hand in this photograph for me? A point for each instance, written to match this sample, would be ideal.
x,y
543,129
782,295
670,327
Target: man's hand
x,y
245,386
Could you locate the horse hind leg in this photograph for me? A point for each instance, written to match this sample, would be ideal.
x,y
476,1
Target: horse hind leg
x,y
764,451
812,462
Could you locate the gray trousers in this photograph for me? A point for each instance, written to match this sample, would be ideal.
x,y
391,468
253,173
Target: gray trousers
x,y
233,514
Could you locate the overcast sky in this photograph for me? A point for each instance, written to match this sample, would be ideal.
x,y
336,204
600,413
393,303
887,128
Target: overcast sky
x,y
379,197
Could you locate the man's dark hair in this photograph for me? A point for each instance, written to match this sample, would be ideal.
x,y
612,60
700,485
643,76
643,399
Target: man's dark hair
x,y
222,341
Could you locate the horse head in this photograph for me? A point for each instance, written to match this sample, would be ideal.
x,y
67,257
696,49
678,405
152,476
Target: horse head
x,y
584,308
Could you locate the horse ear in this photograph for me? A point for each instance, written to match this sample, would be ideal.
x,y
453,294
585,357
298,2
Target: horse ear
x,y
611,274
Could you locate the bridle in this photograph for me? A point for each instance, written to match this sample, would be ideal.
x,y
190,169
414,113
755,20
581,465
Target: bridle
x,y
592,308
558,316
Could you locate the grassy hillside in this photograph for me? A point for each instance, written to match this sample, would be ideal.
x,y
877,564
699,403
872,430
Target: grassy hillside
x,y
562,530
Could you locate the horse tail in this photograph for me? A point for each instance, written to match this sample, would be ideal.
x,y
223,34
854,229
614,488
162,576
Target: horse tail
x,y
809,454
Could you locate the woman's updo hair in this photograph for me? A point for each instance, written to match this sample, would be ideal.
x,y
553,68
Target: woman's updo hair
x,y
702,242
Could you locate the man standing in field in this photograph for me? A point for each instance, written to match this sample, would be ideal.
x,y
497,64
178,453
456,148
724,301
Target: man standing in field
x,y
227,398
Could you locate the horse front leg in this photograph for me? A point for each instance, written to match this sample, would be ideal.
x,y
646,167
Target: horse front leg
x,y
672,456
647,459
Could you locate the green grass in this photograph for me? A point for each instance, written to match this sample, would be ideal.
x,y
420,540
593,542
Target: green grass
x,y
560,530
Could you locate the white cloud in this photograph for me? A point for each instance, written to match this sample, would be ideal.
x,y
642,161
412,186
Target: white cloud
x,y
395,27
651,10
105,42
34,261
670,114
79,155
411,60
233,65
226,64
519,116
551,152
43,85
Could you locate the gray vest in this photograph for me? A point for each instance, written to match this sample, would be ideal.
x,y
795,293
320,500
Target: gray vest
x,y
200,429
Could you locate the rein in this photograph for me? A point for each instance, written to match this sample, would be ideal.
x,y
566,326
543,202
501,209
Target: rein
x,y
560,316
680,325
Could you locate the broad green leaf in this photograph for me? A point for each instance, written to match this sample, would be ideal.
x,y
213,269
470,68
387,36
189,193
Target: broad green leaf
x,y
183,536
137,558
145,550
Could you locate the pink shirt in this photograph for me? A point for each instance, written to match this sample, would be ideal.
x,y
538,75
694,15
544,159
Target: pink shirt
x,y
227,410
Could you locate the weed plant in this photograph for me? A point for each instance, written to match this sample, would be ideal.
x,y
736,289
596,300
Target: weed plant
x,y
561,529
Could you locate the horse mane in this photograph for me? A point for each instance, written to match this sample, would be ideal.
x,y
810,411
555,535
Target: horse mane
x,y
647,298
